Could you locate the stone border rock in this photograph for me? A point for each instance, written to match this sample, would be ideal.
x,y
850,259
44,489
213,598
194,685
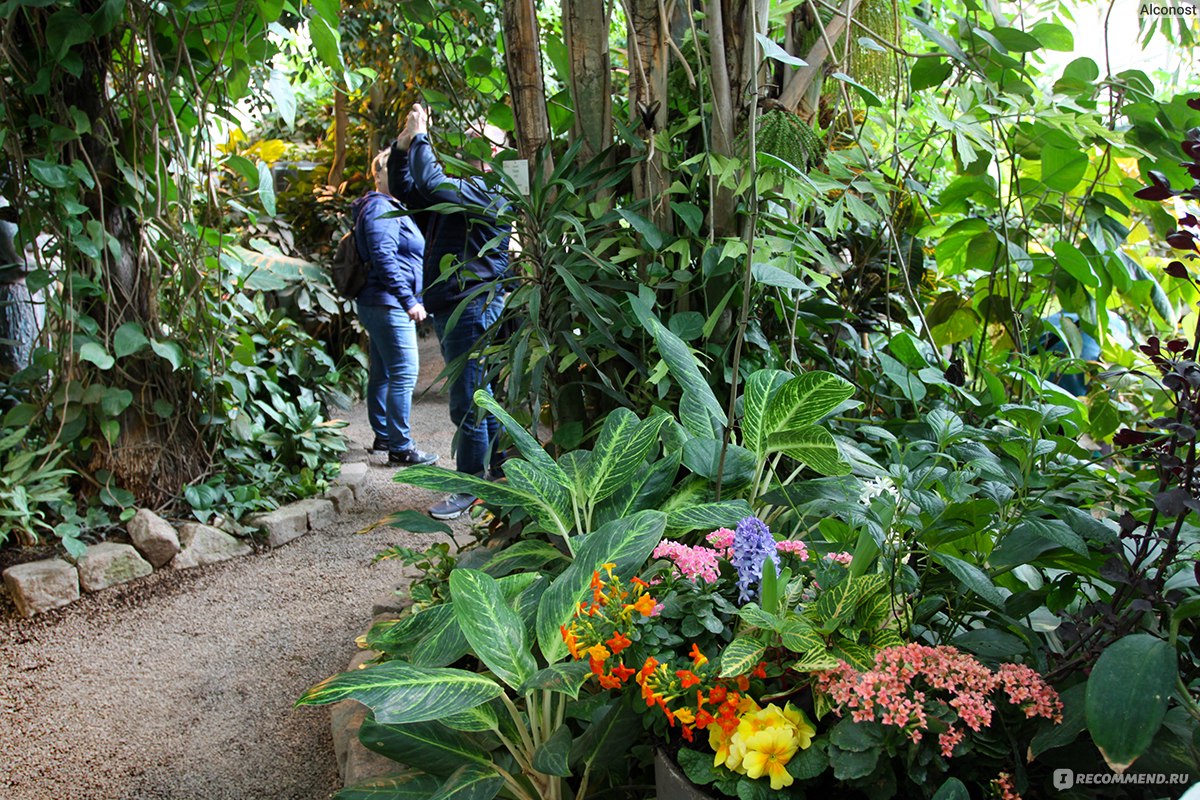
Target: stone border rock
x,y
40,586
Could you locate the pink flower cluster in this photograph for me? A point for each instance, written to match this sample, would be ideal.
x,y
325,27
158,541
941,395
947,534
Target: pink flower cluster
x,y
721,538
692,562
906,678
794,547
840,558
1004,788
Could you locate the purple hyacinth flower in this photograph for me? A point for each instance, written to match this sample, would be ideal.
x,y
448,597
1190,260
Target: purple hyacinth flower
x,y
752,545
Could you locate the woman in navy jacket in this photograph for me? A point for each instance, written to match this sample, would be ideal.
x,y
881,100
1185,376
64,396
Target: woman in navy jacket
x,y
389,308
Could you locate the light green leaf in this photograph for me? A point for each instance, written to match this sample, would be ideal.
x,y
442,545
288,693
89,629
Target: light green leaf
x,y
621,448
870,98
1076,264
471,782
805,399
1062,169
496,633
550,503
800,637
284,96
813,446
708,516
171,351
626,542
325,40
1052,530
129,339
1127,696
96,354
652,235
771,50
526,555
452,481
266,188
565,679
524,441
760,387
703,457
477,719
400,693
328,10
740,656
769,275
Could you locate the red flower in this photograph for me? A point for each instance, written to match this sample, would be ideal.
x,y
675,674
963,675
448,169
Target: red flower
x,y
759,672
618,642
687,677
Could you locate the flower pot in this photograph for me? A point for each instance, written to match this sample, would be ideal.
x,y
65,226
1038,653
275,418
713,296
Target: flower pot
x,y
671,784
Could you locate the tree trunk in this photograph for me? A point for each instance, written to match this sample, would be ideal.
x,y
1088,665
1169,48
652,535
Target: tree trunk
x,y
341,125
650,62
523,64
585,26
801,89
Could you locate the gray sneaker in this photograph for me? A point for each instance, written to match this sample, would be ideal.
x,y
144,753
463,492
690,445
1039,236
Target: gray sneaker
x,y
453,506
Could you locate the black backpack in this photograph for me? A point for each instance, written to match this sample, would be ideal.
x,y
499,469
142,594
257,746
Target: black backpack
x,y
348,269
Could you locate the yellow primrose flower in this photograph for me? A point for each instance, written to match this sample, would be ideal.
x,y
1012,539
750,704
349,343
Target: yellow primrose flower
x,y
767,753
719,742
804,729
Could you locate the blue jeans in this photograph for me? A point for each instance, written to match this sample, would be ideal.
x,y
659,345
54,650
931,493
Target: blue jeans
x,y
477,432
392,374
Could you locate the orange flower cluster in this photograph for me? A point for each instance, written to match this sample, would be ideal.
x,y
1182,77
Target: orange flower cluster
x,y
588,635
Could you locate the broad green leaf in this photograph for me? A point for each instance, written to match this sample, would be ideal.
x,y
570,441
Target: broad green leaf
x,y
621,449
837,604
1074,722
870,98
96,354
428,746
1062,169
496,633
706,413
626,542
1076,264
266,188
754,616
772,50
400,693
524,441
417,522
1052,530
709,516
325,40
971,577
801,637
476,720
471,782
761,386
1127,696
652,235
443,643
404,787
803,400
328,10
449,480
171,351
952,789
703,457
552,756
769,275
1015,40
284,96
606,740
129,339
813,446
565,679
1053,36
549,503
740,656
523,556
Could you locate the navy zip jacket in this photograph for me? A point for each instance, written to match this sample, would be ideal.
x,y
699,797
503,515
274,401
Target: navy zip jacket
x,y
417,178
393,246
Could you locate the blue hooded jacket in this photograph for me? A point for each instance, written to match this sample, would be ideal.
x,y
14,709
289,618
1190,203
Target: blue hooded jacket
x,y
394,248
418,179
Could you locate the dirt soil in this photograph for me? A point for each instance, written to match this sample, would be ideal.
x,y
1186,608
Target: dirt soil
x,y
183,685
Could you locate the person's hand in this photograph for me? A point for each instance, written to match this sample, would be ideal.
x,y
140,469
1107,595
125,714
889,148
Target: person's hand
x,y
417,313
418,119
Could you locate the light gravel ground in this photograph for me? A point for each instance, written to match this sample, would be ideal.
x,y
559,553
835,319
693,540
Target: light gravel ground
x,y
183,685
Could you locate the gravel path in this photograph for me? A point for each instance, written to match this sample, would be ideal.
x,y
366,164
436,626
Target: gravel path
x,y
182,685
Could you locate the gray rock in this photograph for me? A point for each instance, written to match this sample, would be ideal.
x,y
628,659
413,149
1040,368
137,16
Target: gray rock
x,y
342,498
356,764
281,525
204,544
109,564
319,511
354,476
42,585
391,604
154,537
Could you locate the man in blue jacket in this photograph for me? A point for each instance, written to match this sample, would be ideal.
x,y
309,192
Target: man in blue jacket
x,y
460,268
389,308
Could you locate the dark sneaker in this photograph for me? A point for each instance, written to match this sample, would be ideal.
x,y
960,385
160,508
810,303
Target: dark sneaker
x,y
380,446
403,458
453,506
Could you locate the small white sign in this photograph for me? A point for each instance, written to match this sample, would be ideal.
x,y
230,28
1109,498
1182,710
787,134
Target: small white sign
x,y
518,170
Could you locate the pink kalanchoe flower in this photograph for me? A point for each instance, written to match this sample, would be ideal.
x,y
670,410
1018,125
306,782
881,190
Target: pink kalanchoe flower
x,y
840,558
721,538
693,563
794,547
1004,788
